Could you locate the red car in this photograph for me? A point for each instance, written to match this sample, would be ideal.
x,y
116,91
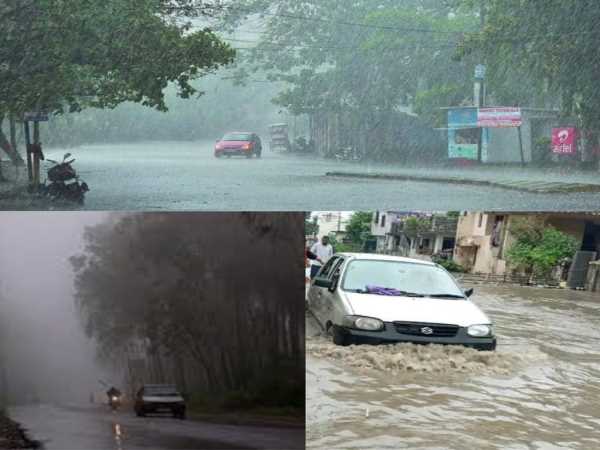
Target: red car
x,y
240,144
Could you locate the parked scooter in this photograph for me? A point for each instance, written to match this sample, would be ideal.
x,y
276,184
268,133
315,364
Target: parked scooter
x,y
64,183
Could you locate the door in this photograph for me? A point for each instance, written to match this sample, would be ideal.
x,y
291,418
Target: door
x,y
331,301
579,268
318,298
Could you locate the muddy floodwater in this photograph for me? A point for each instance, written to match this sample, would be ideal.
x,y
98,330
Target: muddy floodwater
x,y
539,390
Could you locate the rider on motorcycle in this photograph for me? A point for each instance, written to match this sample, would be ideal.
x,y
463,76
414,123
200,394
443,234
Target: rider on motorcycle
x,y
113,395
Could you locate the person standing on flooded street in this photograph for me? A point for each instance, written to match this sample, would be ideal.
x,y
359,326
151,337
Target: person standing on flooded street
x,y
323,250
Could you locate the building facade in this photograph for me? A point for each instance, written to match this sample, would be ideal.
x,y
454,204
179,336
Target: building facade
x,y
483,238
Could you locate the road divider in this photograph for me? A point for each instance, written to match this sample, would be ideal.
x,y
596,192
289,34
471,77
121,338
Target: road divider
x,y
539,187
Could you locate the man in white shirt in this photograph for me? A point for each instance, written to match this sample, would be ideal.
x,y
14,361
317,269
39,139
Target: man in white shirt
x,y
323,250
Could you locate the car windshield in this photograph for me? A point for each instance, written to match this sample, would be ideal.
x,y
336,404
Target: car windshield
x,y
237,137
164,391
398,278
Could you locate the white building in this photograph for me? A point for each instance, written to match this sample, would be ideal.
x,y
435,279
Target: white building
x,y
381,228
332,222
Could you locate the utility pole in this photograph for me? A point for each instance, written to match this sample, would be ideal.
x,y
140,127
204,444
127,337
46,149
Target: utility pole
x,y
479,90
37,154
29,150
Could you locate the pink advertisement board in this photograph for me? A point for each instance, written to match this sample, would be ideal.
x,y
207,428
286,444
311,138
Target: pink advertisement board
x,y
499,117
564,140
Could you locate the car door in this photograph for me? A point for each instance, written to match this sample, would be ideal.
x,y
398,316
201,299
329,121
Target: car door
x,y
331,298
320,297
332,303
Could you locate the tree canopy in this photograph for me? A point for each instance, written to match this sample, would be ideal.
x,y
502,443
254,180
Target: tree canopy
x,y
212,294
539,248
64,55
554,46
376,55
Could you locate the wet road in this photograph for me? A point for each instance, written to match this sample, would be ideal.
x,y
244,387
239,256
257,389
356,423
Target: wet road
x,y
540,391
95,427
185,176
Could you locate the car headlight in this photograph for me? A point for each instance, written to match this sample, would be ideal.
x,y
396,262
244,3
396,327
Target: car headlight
x,y
480,331
363,323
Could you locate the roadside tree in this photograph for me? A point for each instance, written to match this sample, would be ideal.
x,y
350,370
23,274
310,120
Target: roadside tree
x,y
538,248
68,55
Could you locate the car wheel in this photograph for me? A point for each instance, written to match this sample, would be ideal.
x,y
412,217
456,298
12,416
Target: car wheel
x,y
259,154
218,155
340,337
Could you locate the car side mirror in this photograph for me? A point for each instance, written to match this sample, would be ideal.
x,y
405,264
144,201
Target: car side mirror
x,y
469,292
321,282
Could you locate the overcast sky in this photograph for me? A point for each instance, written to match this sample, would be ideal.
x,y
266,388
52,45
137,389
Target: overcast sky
x,y
48,353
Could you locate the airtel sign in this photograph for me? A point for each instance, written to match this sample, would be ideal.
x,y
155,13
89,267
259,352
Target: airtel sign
x,y
564,141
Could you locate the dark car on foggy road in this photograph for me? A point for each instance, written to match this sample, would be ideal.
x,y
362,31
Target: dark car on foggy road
x,y
239,144
159,398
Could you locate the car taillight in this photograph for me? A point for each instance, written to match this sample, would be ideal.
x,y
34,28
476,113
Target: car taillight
x,y
247,146
219,146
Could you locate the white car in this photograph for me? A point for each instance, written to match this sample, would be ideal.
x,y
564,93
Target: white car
x,y
367,298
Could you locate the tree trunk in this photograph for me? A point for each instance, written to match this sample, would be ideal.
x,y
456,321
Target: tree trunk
x,y
13,132
8,149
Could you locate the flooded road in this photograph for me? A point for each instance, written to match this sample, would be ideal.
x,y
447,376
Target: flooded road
x,y
186,176
541,390
94,427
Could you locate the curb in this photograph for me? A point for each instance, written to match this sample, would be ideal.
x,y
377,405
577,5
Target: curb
x,y
524,186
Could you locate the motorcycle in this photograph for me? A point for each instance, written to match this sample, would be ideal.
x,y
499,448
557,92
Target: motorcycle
x,y
114,402
64,182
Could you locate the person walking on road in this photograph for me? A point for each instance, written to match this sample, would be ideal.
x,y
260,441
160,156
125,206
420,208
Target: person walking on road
x,y
323,251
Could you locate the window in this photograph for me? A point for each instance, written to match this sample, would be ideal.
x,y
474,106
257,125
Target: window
x,y
383,220
466,136
480,220
448,244
497,231
237,137
324,273
410,277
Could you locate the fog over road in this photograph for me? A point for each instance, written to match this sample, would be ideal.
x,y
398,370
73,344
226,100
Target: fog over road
x,y
186,176
541,390
95,427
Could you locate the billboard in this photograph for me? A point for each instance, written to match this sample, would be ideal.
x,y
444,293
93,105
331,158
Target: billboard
x,y
564,141
500,117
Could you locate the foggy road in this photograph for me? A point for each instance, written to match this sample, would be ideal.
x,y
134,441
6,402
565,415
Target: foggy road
x,y
541,390
186,176
93,427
